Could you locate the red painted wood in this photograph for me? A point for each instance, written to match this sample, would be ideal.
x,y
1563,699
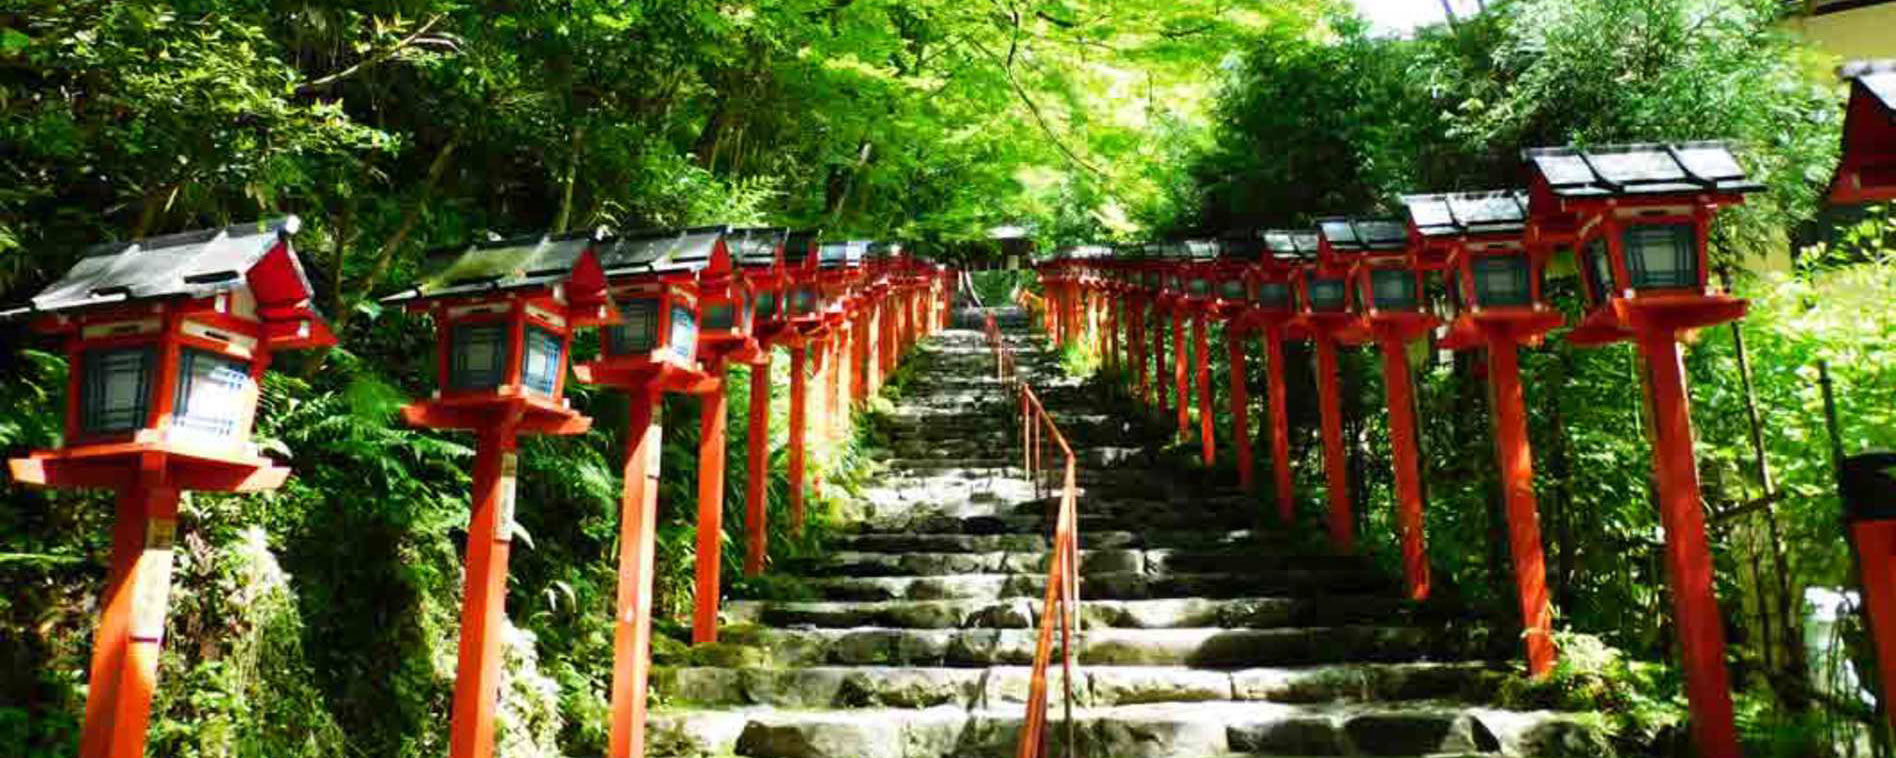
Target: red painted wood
x,y
1517,483
757,470
1280,425
1399,389
1342,523
1181,387
484,596
638,524
1875,544
710,558
799,399
131,628
1240,408
1201,349
1688,558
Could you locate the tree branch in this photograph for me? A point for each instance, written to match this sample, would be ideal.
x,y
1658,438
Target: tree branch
x,y
374,59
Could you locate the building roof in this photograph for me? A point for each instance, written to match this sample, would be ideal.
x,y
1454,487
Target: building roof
x,y
1878,78
1288,244
1640,169
661,251
517,263
1462,213
191,264
1361,235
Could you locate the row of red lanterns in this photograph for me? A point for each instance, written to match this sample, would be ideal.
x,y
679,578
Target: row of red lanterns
x,y
168,337
1635,217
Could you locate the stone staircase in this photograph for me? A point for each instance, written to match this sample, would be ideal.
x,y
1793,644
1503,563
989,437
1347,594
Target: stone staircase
x,y
1204,633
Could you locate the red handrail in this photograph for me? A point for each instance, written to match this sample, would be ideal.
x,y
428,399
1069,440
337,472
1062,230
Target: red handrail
x,y
1063,574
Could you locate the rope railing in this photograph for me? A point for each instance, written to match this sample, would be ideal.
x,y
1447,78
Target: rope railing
x,y
1046,455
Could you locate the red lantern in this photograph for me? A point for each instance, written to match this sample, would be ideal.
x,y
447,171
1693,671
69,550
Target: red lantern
x,y
1867,171
166,338
1495,286
1638,216
759,254
504,315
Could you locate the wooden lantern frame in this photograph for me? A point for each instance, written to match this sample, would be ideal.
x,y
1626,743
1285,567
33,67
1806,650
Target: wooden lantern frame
x,y
1457,232
1866,172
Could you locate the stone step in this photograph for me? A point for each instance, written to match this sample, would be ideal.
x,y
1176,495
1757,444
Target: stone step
x,y
1155,561
1022,613
1198,647
913,541
1106,585
1159,730
1005,686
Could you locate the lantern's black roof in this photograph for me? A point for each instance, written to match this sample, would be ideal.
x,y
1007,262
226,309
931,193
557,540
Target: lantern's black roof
x,y
798,246
187,264
517,263
757,247
1642,169
1877,78
1083,252
1497,212
844,253
661,251
1287,244
1239,246
1189,250
1359,235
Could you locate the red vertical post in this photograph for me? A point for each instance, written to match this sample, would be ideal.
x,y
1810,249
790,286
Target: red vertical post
x,y
1160,385
836,413
1280,425
1201,349
1240,407
638,525
757,469
1181,386
710,559
1335,466
1517,483
799,400
484,595
1688,558
132,626
1399,390
1875,544
1141,348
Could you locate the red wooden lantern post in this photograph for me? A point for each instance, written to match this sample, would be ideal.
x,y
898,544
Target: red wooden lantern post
x,y
1866,172
1869,510
805,314
1198,266
1144,294
1231,302
653,279
1495,290
1272,313
504,315
1327,311
1640,215
763,258
1389,290
166,338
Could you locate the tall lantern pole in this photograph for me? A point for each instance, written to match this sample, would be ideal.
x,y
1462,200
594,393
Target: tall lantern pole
x,y
167,339
653,278
1640,215
1328,312
762,255
503,344
1199,270
1389,290
1232,305
1494,280
1273,314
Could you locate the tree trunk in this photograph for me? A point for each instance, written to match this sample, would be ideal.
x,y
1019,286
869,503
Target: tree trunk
x,y
564,220
386,255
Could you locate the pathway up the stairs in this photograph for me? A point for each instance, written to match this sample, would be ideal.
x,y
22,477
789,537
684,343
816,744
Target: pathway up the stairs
x,y
1205,631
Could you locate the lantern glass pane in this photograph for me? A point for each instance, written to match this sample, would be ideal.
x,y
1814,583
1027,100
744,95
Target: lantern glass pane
x,y
764,308
540,366
1661,256
1232,289
213,393
116,394
638,330
1600,271
719,317
684,332
1200,287
1502,281
1273,295
1394,289
477,356
803,303
1327,294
